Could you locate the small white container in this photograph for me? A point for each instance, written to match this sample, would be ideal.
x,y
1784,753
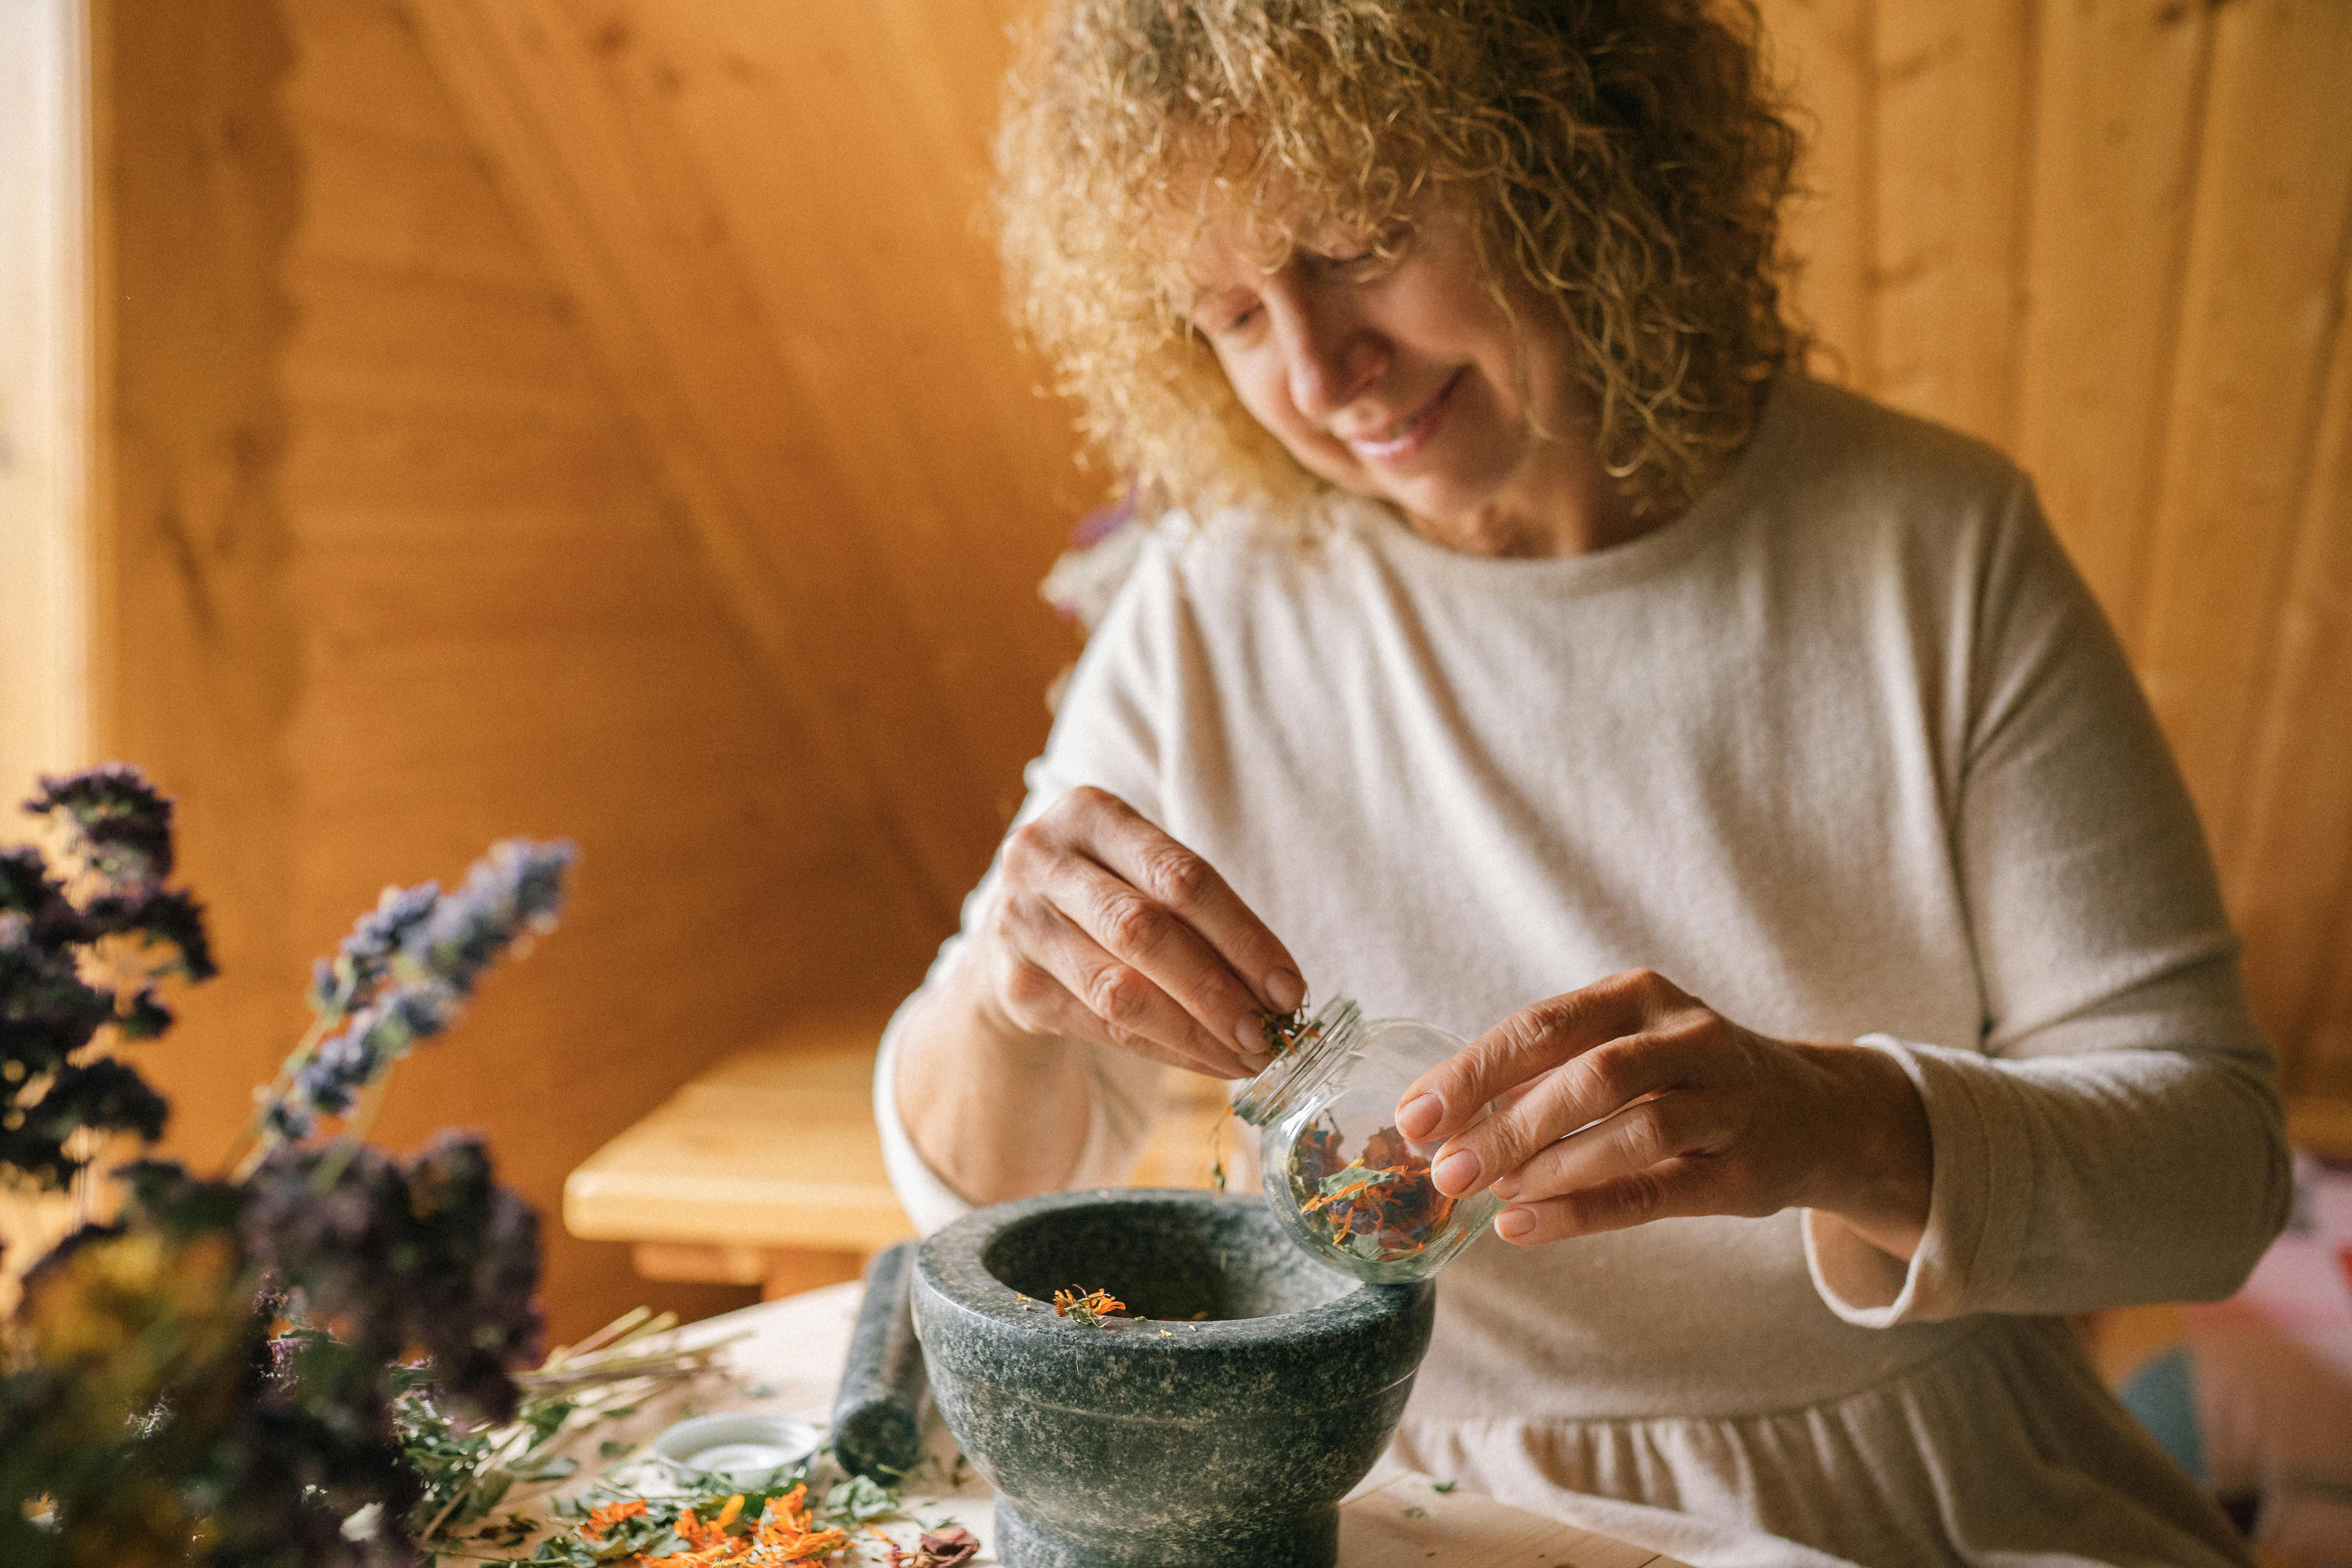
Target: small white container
x,y
751,1449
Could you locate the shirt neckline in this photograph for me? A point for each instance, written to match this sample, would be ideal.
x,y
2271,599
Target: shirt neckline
x,y
1597,570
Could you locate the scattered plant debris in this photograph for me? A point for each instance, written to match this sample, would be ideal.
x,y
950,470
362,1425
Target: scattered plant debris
x,y
1093,1307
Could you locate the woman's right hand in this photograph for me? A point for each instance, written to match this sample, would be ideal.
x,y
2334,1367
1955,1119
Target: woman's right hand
x,y
1106,930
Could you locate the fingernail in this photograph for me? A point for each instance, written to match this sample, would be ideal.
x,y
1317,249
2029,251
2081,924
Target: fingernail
x,y
1251,1034
1456,1173
1419,1117
1513,1224
1508,1188
1285,990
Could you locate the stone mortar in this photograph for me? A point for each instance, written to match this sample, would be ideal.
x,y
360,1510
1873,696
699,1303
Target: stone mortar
x,y
1166,1440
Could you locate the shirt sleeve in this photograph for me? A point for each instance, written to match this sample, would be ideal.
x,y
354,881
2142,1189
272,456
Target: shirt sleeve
x,y
1107,734
2115,1136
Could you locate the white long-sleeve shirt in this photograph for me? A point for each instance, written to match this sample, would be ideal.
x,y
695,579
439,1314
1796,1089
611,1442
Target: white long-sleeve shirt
x,y
1848,752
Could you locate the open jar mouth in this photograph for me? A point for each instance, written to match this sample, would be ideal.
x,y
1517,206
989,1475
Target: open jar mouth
x,y
1327,1044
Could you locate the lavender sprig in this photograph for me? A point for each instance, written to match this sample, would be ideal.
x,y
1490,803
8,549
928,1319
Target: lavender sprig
x,y
365,957
405,974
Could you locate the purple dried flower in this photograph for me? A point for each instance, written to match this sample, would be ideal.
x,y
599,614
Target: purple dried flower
x,y
433,1256
105,1094
511,893
27,890
159,916
481,1320
366,956
142,1017
329,1084
121,823
46,1010
405,972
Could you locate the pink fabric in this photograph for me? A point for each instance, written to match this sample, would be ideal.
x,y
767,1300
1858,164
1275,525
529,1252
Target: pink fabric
x,y
2273,1367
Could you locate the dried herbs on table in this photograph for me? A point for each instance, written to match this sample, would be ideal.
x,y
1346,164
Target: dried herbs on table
x,y
782,1526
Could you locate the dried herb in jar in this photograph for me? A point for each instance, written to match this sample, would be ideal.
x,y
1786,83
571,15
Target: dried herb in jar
x,y
1381,1206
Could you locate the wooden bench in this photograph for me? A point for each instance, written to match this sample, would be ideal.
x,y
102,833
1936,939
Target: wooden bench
x,y
766,1169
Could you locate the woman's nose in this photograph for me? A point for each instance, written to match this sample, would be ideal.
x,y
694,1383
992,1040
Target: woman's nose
x,y
1330,360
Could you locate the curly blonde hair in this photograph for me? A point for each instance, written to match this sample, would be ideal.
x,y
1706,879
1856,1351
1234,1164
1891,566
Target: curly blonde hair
x,y
1629,158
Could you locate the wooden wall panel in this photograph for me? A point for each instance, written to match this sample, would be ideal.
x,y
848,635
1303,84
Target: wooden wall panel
x,y
2119,102
766,382
891,315
1821,49
2291,882
2261,302
1948,177
201,194
401,575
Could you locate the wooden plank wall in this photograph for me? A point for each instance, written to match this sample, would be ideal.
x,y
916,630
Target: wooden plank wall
x,y
767,214
2112,238
400,575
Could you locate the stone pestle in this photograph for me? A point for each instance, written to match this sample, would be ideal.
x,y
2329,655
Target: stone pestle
x,y
876,1417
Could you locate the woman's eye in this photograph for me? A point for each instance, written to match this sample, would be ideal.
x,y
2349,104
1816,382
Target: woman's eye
x,y
1360,266
1237,321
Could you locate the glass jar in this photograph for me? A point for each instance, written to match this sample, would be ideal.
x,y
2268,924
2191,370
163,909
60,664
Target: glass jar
x,y
1352,1189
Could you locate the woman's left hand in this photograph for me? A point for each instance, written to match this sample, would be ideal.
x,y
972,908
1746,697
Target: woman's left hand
x,y
1630,1101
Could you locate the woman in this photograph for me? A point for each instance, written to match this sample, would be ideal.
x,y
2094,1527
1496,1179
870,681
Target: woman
x,y
1538,653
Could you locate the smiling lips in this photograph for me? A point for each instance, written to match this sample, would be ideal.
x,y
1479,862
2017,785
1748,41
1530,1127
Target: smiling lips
x,y
1413,434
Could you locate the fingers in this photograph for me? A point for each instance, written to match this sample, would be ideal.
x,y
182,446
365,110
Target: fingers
x,y
1634,1142
1185,974
1089,996
1597,1085
1531,1042
1679,1187
1189,888
1140,935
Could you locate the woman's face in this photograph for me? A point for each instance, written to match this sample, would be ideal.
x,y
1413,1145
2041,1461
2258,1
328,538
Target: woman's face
x,y
1401,379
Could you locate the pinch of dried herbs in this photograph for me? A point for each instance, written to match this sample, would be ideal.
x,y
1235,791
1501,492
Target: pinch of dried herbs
x,y
1092,1307
1379,1205
1285,1032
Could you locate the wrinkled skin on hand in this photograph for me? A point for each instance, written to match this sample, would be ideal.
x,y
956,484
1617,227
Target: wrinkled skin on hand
x,y
1630,1100
1106,930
